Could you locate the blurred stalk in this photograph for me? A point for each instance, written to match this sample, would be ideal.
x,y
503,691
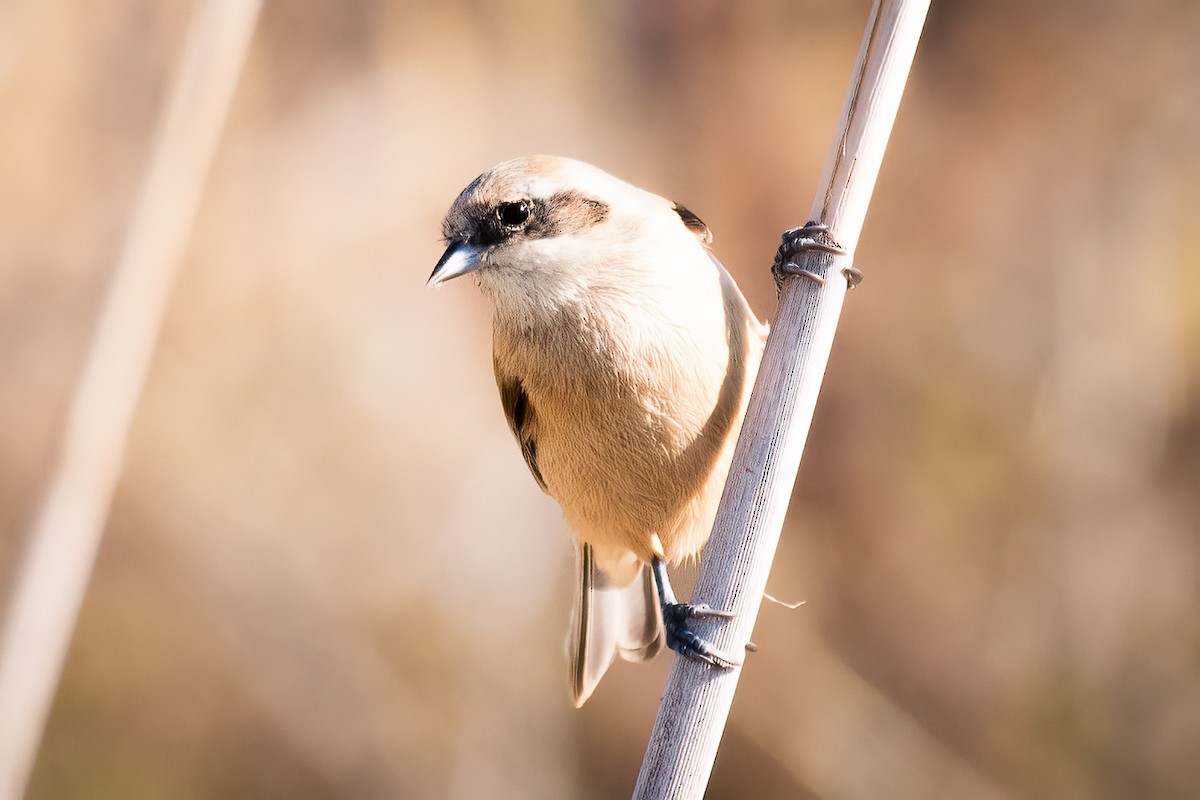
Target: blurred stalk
x,y
737,559
52,580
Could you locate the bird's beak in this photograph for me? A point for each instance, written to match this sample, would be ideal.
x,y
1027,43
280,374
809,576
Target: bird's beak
x,y
459,259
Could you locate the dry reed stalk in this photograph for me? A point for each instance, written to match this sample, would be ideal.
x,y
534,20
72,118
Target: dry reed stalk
x,y
737,559
61,549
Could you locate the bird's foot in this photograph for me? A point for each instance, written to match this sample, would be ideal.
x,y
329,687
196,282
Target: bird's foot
x,y
809,238
683,640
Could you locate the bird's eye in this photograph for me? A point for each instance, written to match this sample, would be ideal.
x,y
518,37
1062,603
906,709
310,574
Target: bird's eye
x,y
513,215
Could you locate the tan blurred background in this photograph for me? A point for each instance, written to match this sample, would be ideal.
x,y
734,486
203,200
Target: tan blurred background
x,y
327,573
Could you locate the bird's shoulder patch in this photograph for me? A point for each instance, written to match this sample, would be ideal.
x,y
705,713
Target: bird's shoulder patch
x,y
519,413
693,223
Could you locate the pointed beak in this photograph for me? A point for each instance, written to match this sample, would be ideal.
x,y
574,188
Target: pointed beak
x,y
459,259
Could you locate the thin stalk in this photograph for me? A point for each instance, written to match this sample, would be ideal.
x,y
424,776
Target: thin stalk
x,y
737,559
61,549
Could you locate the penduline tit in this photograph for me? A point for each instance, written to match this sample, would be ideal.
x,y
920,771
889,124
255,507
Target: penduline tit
x,y
625,354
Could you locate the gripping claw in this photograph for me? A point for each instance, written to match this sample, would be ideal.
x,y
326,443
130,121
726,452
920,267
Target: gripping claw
x,y
808,238
676,618
683,640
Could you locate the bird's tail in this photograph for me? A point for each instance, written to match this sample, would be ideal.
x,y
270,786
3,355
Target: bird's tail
x,y
610,618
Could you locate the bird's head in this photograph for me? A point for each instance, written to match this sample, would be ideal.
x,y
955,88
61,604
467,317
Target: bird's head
x,y
541,228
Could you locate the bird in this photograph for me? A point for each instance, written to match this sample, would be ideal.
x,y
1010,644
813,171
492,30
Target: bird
x,y
624,354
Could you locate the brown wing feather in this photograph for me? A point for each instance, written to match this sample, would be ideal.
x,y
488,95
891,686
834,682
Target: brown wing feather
x,y
693,223
520,415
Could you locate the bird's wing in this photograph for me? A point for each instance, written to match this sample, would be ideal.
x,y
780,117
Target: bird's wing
x,y
610,620
520,417
694,223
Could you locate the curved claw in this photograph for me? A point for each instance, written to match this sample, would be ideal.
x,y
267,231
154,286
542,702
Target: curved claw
x,y
683,640
703,611
810,237
689,645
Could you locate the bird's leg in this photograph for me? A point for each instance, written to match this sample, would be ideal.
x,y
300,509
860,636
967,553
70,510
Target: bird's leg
x,y
680,637
811,237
